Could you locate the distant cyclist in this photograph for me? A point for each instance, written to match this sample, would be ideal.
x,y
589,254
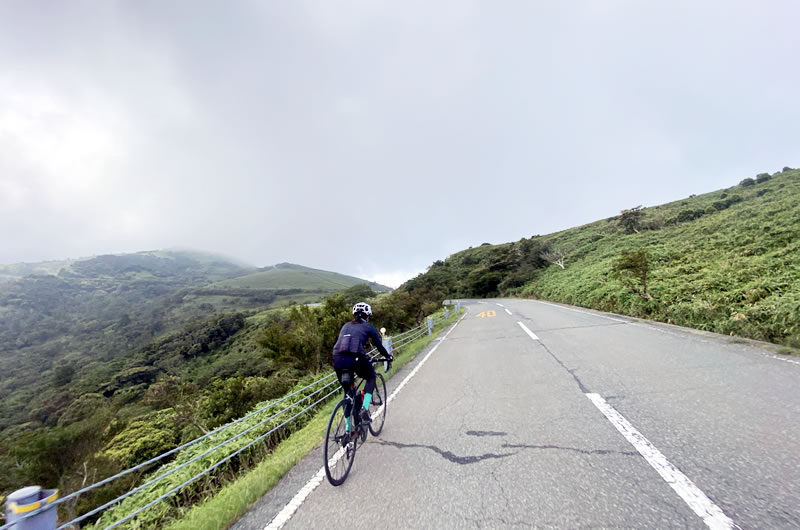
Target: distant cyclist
x,y
349,356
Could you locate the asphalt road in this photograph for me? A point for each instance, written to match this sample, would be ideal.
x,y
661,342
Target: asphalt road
x,y
500,428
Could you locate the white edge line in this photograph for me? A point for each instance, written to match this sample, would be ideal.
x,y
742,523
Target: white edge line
x,y
711,514
507,311
423,361
584,312
780,358
530,333
288,511
681,334
649,326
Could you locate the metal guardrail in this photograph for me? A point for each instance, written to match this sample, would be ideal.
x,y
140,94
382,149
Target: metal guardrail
x,y
329,379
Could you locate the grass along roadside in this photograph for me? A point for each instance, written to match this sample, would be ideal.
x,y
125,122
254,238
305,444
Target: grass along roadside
x,y
236,498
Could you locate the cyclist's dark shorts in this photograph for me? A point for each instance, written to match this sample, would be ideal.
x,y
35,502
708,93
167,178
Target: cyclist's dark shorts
x,y
358,363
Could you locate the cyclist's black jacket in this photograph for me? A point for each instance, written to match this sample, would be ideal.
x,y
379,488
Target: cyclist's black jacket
x,y
354,335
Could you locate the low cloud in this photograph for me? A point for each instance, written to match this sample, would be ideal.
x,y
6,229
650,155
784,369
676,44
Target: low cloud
x,y
401,132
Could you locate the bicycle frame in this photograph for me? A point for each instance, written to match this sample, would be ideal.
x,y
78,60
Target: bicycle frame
x,y
358,430
350,394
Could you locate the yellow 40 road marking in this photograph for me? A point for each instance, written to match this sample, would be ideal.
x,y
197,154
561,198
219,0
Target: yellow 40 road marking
x,y
484,314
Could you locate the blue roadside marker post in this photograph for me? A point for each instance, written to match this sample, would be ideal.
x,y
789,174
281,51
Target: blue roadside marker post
x,y
30,509
387,343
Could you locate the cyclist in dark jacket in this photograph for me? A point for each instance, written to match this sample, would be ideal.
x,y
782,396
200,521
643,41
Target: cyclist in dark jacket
x,y
349,356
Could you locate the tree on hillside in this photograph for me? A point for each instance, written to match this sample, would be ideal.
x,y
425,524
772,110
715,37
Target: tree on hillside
x,y
746,183
631,269
630,219
358,293
555,256
762,177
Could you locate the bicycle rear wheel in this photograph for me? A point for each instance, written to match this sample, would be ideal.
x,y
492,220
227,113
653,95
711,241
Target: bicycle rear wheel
x,y
340,447
377,409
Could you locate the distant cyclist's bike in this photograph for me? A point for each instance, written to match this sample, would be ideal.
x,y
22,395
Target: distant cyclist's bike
x,y
341,444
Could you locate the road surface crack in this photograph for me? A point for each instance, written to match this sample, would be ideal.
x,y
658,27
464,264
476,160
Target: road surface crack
x,y
447,455
573,449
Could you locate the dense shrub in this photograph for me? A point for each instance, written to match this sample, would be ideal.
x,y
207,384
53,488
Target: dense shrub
x,y
727,203
690,215
484,282
653,223
631,269
747,183
63,375
762,177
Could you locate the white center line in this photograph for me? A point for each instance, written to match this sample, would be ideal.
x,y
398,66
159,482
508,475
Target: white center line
x,y
501,305
710,513
530,333
288,511
507,311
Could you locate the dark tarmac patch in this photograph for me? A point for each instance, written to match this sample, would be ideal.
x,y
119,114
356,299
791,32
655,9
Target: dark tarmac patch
x,y
485,433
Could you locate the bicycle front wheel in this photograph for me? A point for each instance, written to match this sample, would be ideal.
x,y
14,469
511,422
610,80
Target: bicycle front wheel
x,y
377,409
340,447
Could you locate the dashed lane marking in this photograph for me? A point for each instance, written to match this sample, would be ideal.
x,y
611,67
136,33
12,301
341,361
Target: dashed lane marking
x,y
530,333
711,514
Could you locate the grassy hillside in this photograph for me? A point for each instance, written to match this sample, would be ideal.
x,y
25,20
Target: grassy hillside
x,y
20,270
288,276
274,286
726,261
64,320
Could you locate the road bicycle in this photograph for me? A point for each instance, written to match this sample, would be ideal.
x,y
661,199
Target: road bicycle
x,y
341,444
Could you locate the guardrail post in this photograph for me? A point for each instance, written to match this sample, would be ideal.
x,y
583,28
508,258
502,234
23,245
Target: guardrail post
x,y
32,499
387,343
430,326
447,314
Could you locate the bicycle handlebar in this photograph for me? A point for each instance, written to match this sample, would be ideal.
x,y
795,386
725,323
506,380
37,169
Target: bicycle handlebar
x,y
378,360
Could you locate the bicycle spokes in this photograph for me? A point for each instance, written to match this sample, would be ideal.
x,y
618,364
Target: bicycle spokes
x,y
340,447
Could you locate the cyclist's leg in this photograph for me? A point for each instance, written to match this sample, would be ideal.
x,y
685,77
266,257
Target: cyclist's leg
x,y
365,369
345,364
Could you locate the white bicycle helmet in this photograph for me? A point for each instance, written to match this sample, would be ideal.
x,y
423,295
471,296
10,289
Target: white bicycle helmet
x,y
363,308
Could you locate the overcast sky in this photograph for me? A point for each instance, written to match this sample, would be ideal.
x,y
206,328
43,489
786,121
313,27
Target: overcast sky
x,y
372,138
